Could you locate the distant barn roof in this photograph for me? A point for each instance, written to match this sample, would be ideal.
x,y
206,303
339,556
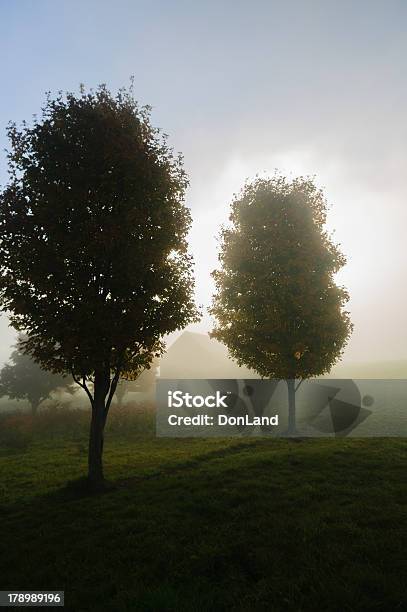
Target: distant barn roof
x,y
195,355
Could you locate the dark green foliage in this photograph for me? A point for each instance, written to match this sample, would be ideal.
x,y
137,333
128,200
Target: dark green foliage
x,y
23,378
277,306
93,235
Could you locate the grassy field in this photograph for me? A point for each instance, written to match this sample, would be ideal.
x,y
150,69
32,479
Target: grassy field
x,y
221,524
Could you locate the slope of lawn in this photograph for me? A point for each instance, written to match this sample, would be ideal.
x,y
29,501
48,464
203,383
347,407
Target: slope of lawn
x,y
221,524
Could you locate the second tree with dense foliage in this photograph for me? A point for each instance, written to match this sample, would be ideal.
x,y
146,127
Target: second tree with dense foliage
x,y
277,306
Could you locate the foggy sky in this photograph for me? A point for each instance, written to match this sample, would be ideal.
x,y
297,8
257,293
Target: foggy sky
x,y
314,87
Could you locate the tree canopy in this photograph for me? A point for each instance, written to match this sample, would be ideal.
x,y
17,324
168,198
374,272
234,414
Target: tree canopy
x,y
23,378
277,306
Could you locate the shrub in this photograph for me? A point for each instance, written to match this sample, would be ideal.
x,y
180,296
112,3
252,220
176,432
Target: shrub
x,y
16,431
131,419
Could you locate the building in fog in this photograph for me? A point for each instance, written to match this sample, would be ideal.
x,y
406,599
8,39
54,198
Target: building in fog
x,y
195,355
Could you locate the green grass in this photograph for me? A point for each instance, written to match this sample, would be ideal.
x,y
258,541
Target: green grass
x,y
216,524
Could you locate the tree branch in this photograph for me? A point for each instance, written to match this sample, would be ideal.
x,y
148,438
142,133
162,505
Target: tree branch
x,y
299,384
83,385
113,386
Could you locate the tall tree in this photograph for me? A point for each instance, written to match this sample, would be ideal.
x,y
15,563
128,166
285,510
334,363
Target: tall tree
x,y
93,244
23,378
277,307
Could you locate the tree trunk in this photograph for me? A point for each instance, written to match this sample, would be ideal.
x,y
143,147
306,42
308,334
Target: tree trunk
x,y
292,430
99,414
95,473
34,407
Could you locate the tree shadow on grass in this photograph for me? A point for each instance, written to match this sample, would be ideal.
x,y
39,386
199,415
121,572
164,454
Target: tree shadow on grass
x,y
78,488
